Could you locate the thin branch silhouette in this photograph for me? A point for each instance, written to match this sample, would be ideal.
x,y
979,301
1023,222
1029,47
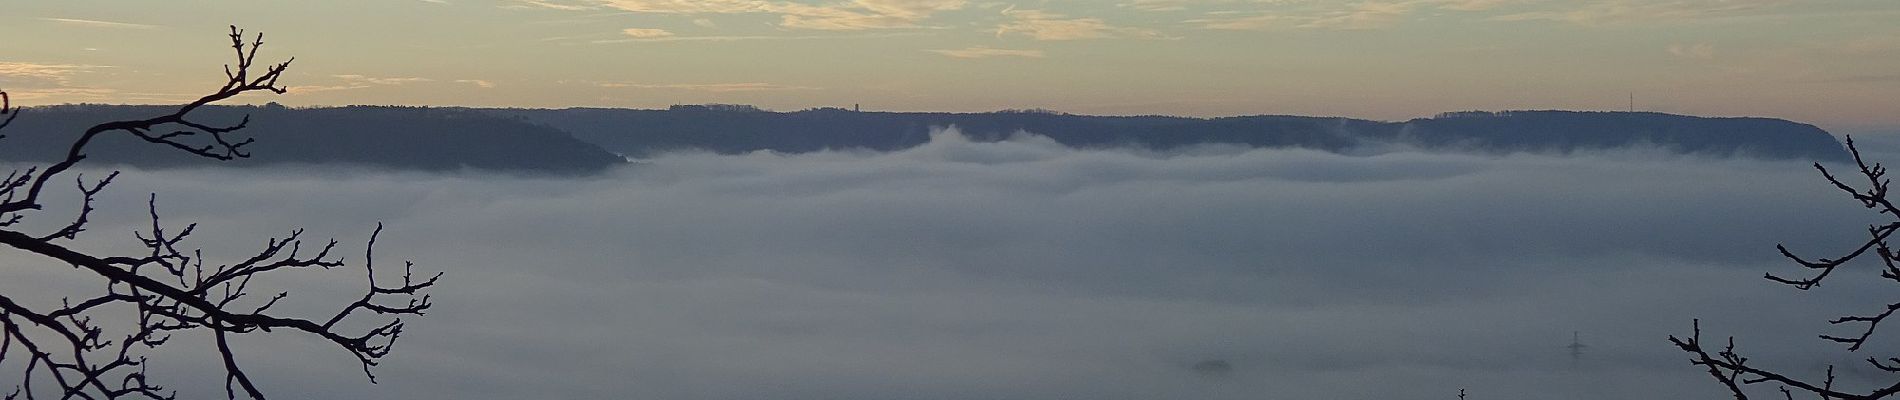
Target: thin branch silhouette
x,y
1734,372
169,288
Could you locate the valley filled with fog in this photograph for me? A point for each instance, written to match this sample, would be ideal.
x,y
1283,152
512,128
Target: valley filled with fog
x,y
1024,269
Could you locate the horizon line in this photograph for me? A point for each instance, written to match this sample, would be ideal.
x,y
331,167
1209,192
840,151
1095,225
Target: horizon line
x,y
1033,110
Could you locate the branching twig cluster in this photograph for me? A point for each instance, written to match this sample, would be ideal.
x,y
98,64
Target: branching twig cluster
x,y
1734,371
6,108
171,289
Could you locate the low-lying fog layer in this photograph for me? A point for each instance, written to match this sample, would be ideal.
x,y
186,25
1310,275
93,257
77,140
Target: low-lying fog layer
x,y
1024,270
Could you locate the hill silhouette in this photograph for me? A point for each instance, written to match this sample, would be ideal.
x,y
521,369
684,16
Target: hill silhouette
x,y
400,137
734,129
586,140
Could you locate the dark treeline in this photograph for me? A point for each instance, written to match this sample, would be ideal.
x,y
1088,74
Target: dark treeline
x,y
582,140
736,130
433,139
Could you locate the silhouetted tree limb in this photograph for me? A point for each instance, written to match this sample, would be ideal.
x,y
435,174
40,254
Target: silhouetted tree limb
x,y
171,289
6,108
1733,370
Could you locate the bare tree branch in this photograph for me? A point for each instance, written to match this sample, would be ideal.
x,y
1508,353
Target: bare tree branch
x,y
172,289
1733,370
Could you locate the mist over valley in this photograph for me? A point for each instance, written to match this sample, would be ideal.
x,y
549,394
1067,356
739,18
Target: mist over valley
x,y
1027,268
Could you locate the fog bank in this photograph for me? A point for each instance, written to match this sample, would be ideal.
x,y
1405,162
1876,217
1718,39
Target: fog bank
x,y
1027,270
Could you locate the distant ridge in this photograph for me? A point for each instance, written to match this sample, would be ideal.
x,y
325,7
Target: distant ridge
x,y
738,129
1564,131
420,138
587,140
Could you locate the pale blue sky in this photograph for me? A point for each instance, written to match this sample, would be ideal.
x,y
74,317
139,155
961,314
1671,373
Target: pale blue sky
x,y
1834,63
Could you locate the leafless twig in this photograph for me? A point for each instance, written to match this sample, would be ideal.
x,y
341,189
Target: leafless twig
x,y
1733,370
172,289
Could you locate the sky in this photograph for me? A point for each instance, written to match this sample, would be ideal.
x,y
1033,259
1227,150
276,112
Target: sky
x,y
1027,270
1826,62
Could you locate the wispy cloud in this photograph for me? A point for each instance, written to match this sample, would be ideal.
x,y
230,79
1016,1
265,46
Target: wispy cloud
x,y
1259,22
58,73
1886,78
986,52
307,89
1601,12
1158,5
1701,51
1868,45
1338,15
854,15
354,81
707,87
98,24
1367,15
646,33
551,5
1266,15
63,93
1043,25
381,80
740,38
33,81
477,82
29,81
61,82
1475,5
